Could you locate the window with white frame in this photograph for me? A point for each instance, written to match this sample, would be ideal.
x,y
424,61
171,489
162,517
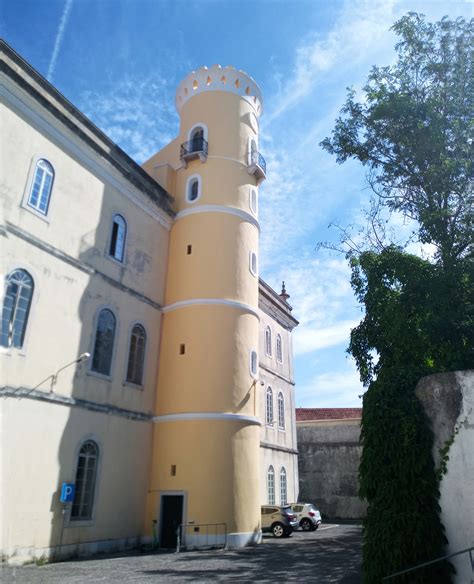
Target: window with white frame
x,y
279,350
196,142
193,188
253,363
16,308
253,267
86,474
271,485
283,489
281,411
268,341
117,238
253,201
136,355
269,406
41,187
104,342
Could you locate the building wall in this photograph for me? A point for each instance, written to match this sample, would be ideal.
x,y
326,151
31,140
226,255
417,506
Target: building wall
x,y
448,400
66,253
328,459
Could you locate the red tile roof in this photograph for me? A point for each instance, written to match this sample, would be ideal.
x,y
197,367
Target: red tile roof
x,y
313,414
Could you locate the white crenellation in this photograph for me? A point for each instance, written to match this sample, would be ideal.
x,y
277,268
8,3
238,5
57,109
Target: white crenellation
x,y
218,78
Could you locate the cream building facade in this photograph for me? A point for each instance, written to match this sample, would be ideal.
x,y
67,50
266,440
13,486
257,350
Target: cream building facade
x,y
135,326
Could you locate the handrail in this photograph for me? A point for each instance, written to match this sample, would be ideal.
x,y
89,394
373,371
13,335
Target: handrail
x,y
258,159
197,526
194,146
418,566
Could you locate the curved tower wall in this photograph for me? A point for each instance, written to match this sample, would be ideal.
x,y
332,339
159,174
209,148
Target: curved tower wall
x,y
206,439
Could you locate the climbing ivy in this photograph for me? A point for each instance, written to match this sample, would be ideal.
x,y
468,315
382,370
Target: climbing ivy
x,y
418,321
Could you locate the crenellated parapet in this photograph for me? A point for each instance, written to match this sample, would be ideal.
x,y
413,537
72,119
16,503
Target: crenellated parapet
x,y
218,78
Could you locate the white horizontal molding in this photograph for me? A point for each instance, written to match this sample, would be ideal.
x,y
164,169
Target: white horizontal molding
x,y
93,163
207,416
220,209
214,302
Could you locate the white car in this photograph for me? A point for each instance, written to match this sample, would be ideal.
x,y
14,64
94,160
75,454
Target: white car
x,y
307,515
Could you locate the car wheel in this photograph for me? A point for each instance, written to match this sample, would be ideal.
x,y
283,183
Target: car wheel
x,y
306,525
278,530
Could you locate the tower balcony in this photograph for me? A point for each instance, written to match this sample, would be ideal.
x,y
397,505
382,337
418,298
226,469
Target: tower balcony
x,y
257,165
193,149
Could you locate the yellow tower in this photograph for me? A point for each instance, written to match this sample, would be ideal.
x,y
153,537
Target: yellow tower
x,y
205,467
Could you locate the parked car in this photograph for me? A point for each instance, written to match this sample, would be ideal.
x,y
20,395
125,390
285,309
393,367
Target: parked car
x,y
280,521
307,515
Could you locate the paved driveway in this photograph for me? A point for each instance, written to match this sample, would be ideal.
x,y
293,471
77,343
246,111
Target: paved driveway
x,y
331,554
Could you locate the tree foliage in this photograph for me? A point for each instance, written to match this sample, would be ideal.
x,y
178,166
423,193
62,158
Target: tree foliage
x,y
413,132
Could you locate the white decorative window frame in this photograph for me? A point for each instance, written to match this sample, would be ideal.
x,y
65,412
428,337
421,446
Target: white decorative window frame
x,y
90,371
268,345
253,207
279,348
198,125
127,355
189,180
252,359
122,262
252,255
29,185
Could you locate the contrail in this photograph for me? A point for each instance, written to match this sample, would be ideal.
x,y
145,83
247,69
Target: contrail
x,y
59,39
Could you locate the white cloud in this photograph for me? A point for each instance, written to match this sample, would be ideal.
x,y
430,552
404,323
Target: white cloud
x,y
136,113
332,389
311,338
361,29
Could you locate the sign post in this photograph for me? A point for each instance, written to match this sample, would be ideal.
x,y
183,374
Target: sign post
x,y
68,490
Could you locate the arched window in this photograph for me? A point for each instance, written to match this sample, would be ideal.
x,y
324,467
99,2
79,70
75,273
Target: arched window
x,y
253,201
268,341
283,493
269,407
85,481
193,188
117,238
253,152
281,411
253,263
197,140
16,308
104,342
279,350
271,485
136,355
253,363
41,186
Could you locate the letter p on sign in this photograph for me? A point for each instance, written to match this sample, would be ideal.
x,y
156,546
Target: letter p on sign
x,y
67,492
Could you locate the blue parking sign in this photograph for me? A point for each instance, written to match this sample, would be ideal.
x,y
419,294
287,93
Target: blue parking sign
x,y
67,492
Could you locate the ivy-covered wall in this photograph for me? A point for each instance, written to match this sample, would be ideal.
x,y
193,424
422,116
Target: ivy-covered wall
x,y
448,400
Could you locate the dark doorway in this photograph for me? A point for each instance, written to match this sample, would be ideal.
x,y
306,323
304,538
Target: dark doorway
x,y
171,519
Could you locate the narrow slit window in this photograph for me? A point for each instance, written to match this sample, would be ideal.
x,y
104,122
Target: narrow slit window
x,y
253,363
190,249
253,263
86,474
281,412
268,341
117,238
271,485
279,350
182,349
269,406
253,201
283,489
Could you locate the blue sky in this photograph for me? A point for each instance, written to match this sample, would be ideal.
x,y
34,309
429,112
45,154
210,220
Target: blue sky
x,y
120,61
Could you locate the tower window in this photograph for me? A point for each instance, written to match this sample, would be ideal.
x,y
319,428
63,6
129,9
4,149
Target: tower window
x,y
117,238
16,308
253,201
193,188
196,142
41,187
182,349
253,363
190,249
253,263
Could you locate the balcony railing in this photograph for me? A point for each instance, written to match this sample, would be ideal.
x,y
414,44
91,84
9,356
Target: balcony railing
x,y
257,165
195,148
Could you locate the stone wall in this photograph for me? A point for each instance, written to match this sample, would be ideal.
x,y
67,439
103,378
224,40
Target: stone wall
x,y
328,461
448,400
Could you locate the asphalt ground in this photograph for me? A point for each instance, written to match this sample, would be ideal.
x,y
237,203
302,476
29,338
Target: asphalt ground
x,y
330,554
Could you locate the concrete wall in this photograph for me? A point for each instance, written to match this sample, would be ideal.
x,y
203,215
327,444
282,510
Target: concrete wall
x,y
448,400
328,461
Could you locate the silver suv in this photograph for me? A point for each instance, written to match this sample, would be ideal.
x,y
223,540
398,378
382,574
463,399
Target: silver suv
x,y
307,515
278,520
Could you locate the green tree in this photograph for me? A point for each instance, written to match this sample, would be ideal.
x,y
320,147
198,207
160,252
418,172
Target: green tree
x,y
413,132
